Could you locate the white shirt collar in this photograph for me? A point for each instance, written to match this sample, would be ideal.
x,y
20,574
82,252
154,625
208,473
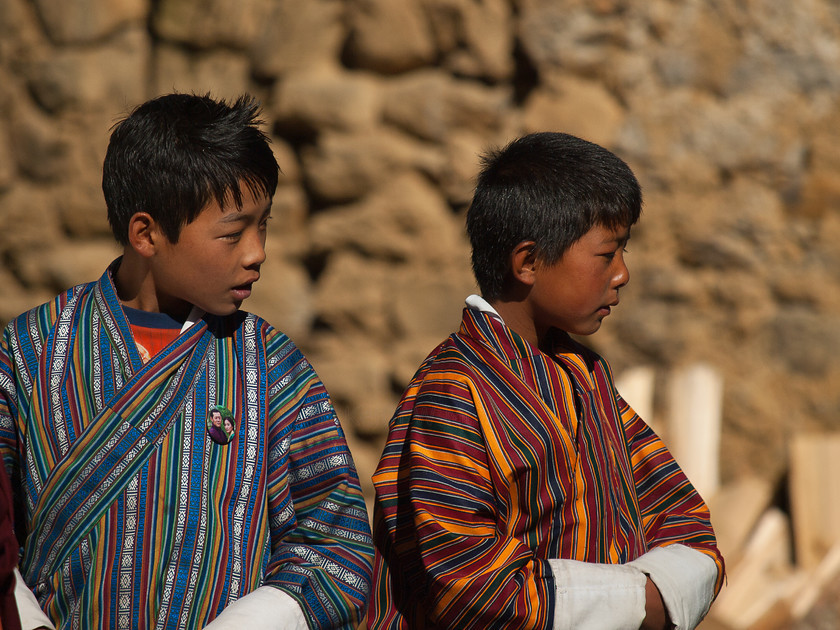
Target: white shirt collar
x,y
195,314
478,303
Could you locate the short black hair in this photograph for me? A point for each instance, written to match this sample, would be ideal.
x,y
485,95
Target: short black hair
x,y
550,188
173,154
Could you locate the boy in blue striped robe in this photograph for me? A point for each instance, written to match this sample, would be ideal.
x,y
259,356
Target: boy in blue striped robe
x,y
134,512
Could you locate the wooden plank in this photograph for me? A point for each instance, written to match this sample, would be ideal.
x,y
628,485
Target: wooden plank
x,y
815,496
636,387
764,576
695,402
736,510
804,599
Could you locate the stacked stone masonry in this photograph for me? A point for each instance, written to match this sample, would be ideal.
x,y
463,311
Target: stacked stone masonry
x,y
728,111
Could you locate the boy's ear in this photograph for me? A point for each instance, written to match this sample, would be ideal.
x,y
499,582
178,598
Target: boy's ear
x,y
143,234
523,262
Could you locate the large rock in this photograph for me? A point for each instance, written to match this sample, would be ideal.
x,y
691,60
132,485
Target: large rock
x,y
432,104
570,35
474,39
710,234
221,72
7,160
86,21
66,264
28,220
206,23
818,196
581,107
356,371
20,32
287,160
743,134
81,208
428,299
283,295
389,37
18,298
343,167
464,150
806,343
788,48
699,49
289,225
40,145
352,296
106,77
299,35
310,101
406,220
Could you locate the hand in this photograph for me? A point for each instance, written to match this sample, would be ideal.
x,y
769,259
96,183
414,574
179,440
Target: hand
x,y
656,616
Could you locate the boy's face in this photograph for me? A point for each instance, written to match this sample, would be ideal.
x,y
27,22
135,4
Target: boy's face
x,y
216,260
577,292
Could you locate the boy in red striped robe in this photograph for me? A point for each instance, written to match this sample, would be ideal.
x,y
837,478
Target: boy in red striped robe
x,y
517,488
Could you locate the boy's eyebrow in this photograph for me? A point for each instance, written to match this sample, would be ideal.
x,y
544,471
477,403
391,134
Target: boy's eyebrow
x,y
237,216
619,238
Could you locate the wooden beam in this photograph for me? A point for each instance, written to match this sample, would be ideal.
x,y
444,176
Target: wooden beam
x,y
815,496
696,400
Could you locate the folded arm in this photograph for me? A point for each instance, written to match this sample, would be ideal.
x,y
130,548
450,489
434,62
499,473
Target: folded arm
x,y
321,549
451,563
683,559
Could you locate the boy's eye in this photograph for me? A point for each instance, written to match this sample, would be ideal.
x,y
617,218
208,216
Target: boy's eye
x,y
610,255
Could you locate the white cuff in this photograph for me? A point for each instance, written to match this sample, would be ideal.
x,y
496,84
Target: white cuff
x,y
592,596
29,610
266,608
686,580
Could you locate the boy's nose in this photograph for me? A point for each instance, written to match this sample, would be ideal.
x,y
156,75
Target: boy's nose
x,y
255,255
622,276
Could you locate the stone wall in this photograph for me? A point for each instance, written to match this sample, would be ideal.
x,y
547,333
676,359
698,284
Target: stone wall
x,y
726,109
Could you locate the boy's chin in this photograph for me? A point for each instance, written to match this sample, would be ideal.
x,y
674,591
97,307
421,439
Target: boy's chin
x,y
584,331
221,310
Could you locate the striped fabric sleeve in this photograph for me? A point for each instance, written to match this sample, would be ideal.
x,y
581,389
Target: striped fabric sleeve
x,y
21,340
8,407
454,549
30,612
672,510
14,377
324,560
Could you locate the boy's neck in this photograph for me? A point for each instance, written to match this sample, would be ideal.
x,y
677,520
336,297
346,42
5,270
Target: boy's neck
x,y
136,289
517,317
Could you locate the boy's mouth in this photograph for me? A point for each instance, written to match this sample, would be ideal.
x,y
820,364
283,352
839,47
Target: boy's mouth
x,y
243,291
606,309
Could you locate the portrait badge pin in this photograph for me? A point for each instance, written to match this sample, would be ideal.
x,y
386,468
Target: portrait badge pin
x,y
221,424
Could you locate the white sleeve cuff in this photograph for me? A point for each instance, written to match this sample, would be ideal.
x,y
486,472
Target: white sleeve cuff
x,y
591,596
29,611
686,580
266,608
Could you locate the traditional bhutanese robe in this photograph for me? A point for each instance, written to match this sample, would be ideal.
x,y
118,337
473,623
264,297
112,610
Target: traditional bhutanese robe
x,y
134,517
500,457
